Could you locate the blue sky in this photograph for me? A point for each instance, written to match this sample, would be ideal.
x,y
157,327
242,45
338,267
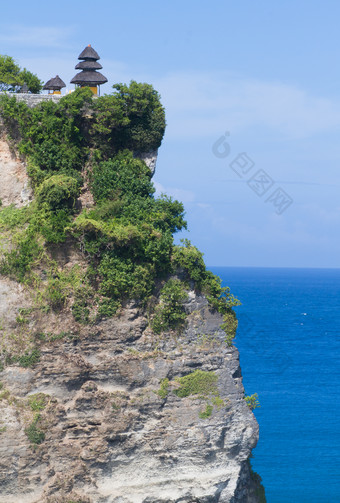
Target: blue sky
x,y
266,73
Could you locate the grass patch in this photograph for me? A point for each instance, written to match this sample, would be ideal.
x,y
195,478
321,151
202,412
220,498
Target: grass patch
x,y
164,388
34,434
200,383
37,402
206,413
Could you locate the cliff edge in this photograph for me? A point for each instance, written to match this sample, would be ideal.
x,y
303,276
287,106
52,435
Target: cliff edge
x,y
119,382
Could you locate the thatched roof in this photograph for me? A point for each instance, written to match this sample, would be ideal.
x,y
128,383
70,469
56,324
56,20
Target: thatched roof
x,y
89,53
88,65
89,78
54,84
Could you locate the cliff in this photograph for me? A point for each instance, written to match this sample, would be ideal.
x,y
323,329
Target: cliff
x,y
112,407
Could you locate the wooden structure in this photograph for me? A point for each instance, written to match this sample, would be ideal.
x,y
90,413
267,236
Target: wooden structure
x,y
54,86
89,76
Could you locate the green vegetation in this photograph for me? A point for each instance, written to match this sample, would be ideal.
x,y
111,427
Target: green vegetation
x,y
126,236
199,382
12,78
34,434
207,412
37,402
164,388
27,359
252,401
169,313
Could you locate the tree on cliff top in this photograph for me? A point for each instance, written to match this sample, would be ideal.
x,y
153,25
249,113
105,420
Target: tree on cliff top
x,y
12,77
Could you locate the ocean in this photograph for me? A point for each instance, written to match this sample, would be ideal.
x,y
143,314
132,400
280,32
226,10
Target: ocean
x,y
288,338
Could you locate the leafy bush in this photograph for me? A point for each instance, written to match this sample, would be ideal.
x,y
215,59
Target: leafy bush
x,y
252,401
207,412
58,192
29,358
18,262
164,388
190,260
124,177
170,313
37,402
132,118
56,294
229,326
80,310
34,434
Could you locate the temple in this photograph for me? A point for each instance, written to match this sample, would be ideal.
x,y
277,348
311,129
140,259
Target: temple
x,y
54,86
89,76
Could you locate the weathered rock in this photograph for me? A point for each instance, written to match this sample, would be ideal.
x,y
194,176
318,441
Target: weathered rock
x,y
110,437
14,187
150,159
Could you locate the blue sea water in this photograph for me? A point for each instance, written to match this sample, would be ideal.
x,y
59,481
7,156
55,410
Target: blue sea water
x,y
288,338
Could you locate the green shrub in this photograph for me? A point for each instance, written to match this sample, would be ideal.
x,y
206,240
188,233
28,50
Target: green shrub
x,y
164,388
123,176
170,313
229,326
56,294
252,401
54,225
189,259
132,118
259,489
37,402
34,434
58,192
207,412
14,218
108,307
29,358
80,310
199,382
18,262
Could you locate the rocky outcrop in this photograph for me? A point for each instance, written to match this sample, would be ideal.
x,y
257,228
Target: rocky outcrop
x,y
14,187
109,435
150,159
93,414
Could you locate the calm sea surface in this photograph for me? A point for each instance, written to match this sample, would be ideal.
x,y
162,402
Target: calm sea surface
x,y
288,338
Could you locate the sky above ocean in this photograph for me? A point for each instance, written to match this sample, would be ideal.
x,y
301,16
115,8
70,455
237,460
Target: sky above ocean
x,y
252,95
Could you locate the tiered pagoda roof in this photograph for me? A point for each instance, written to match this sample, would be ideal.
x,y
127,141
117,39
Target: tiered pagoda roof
x,y
89,76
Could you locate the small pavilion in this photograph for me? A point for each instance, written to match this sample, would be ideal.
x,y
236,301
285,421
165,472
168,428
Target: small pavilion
x,y
89,75
54,86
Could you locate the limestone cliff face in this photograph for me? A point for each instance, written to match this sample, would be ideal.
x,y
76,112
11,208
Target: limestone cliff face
x,y
95,417
109,436
14,187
